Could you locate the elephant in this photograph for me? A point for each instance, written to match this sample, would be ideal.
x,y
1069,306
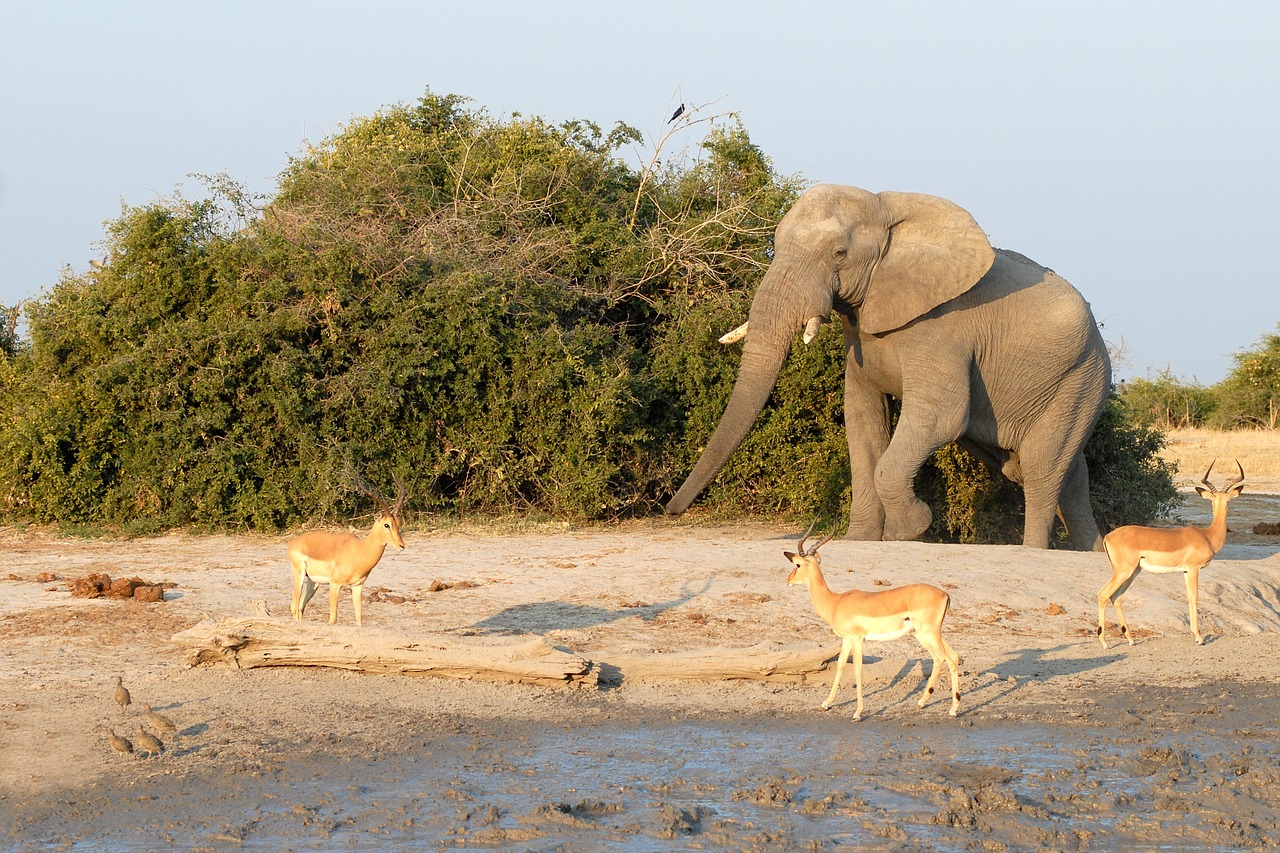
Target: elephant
x,y
983,346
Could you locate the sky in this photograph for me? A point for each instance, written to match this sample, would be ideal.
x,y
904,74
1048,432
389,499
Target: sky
x,y
1132,147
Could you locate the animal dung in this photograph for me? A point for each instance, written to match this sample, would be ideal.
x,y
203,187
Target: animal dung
x,y
100,585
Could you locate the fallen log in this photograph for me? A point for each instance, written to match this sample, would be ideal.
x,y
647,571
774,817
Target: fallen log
x,y
762,662
249,642
260,640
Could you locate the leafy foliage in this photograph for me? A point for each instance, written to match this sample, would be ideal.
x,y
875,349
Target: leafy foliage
x,y
501,311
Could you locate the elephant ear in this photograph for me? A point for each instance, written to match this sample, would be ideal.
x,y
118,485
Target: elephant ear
x,y
936,251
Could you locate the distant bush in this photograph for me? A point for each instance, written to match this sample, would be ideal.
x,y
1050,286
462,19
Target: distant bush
x,y
1249,398
1167,402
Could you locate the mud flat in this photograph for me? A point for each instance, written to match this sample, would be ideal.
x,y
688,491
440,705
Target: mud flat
x,y
1060,744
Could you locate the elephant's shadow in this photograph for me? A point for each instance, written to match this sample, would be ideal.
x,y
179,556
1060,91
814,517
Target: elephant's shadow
x,y
542,616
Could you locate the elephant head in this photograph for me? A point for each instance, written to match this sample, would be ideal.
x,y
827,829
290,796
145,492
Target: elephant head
x,y
885,259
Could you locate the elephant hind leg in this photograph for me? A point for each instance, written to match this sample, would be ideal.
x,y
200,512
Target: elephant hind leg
x,y
1055,475
1076,511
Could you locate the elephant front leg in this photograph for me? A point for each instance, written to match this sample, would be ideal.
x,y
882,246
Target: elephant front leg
x,y
866,419
922,429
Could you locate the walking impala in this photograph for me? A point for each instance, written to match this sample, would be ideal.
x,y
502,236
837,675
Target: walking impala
x,y
888,614
341,558
1165,549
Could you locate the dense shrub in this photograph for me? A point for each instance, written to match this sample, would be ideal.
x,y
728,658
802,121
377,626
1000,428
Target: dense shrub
x,y
501,311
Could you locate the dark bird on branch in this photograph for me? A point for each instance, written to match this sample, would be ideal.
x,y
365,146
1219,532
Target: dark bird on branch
x,y
675,115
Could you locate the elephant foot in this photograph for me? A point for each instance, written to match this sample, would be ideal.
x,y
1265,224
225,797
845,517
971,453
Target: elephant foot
x,y
865,532
910,524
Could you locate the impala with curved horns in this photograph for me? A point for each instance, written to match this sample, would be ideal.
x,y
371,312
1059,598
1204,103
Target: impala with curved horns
x,y
1166,549
341,558
887,614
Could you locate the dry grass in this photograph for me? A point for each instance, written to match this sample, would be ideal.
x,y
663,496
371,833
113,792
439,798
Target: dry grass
x,y
1257,450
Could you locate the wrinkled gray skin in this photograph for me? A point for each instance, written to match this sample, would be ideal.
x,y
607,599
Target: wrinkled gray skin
x,y
982,346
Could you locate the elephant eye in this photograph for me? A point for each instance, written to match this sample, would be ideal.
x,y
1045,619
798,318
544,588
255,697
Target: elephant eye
x,y
840,254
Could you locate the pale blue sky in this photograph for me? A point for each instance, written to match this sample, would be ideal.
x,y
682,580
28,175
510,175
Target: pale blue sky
x,y
1133,147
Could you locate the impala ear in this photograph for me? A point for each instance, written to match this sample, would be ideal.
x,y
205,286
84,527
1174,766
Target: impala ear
x,y
788,555
936,252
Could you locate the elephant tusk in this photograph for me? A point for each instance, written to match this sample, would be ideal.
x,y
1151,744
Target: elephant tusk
x,y
811,328
736,335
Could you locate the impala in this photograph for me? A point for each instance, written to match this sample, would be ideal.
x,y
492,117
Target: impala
x,y
858,616
341,558
1165,549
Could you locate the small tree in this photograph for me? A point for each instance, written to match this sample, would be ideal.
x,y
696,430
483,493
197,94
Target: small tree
x,y
1166,402
1249,398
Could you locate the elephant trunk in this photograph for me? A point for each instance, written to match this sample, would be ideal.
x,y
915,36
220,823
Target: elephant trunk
x,y
776,316
762,358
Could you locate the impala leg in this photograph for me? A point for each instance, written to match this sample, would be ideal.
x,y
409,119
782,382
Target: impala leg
x,y
355,598
1193,596
334,589
845,647
295,606
953,662
932,642
1124,624
857,676
1111,592
306,589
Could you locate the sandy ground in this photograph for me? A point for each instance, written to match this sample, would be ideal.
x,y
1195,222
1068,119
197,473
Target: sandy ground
x,y
1059,743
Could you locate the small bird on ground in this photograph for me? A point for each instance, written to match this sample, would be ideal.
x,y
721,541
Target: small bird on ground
x,y
159,722
120,743
148,743
675,115
122,694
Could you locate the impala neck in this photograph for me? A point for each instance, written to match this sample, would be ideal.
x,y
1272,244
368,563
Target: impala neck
x,y
372,546
824,600
1217,529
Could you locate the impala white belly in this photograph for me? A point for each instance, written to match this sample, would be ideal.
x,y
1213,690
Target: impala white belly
x,y
318,572
1157,569
898,633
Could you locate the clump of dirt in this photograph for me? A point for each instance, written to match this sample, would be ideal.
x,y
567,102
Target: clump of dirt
x,y
441,586
43,577
100,585
1263,528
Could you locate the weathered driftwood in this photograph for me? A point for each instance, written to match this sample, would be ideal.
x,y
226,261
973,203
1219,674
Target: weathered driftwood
x,y
263,641
762,662
255,641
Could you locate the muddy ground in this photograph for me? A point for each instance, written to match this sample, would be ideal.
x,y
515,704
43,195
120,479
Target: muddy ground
x,y
1059,744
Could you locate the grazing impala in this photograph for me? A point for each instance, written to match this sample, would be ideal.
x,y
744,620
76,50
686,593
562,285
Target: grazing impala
x,y
883,615
1163,549
340,558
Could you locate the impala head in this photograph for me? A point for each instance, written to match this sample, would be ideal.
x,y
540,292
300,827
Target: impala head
x,y
804,562
387,527
1207,491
